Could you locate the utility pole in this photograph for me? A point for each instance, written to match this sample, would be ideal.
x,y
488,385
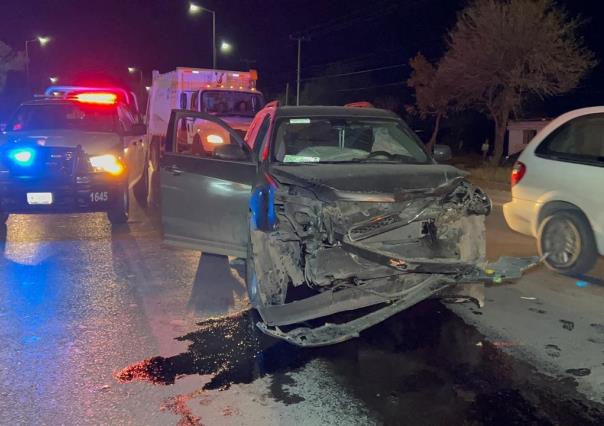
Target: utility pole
x,y
213,37
299,39
287,93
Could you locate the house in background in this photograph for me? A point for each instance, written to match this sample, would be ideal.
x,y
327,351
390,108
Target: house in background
x,y
521,132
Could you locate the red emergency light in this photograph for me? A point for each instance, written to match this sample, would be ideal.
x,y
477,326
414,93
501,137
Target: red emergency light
x,y
100,98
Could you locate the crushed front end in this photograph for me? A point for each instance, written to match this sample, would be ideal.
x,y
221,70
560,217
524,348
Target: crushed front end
x,y
377,253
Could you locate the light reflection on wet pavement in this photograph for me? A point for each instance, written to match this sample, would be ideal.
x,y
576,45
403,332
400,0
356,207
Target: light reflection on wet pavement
x,y
424,366
87,318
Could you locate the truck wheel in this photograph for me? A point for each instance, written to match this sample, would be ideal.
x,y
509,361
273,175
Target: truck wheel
x,y
568,241
141,188
118,213
153,188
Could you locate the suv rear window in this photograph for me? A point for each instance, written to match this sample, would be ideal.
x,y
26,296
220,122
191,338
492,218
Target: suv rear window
x,y
579,141
64,116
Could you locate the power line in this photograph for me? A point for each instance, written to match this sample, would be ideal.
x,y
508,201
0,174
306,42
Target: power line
x,y
397,83
355,72
355,17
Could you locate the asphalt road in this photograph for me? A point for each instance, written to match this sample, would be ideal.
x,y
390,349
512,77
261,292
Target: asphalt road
x,y
102,326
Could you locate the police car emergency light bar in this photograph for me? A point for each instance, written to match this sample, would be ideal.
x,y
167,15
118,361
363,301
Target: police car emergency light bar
x,y
101,98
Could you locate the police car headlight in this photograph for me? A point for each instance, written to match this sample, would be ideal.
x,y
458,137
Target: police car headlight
x,y
215,139
107,163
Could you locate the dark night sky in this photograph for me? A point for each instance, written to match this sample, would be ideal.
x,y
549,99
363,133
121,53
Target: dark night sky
x,y
98,39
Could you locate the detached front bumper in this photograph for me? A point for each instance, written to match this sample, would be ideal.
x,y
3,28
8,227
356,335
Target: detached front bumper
x,y
89,193
391,291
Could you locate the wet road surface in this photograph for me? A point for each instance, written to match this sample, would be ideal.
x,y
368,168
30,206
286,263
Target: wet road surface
x,y
103,326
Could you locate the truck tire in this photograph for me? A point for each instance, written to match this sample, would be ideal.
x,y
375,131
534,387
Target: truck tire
x,y
141,189
118,214
567,241
153,188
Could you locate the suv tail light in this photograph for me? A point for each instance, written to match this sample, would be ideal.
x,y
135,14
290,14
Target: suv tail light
x,y
518,172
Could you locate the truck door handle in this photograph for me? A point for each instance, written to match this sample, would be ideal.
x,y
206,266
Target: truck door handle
x,y
174,170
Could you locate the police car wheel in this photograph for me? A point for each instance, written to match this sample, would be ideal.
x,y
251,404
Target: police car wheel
x,y
119,212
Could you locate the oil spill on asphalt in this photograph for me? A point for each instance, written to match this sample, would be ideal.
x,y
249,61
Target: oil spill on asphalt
x,y
423,366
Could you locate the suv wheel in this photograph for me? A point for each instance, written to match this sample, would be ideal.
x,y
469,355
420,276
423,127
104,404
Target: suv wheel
x,y
567,241
119,211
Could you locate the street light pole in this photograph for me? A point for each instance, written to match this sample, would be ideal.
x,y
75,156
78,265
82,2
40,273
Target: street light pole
x,y
27,64
194,9
132,70
213,38
43,41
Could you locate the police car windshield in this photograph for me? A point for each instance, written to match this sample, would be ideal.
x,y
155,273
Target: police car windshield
x,y
225,103
64,116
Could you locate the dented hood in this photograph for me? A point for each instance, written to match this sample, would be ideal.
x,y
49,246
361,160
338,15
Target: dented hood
x,y
366,182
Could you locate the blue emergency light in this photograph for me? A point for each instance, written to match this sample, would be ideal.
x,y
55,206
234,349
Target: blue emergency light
x,y
23,157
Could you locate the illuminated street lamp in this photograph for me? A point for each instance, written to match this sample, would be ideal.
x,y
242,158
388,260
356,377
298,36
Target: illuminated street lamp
x,y
53,80
195,9
43,42
133,70
226,47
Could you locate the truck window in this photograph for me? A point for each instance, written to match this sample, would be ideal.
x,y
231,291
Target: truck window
x,y
231,103
195,101
183,100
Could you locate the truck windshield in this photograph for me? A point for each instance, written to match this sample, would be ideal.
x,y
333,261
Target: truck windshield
x,y
67,116
346,140
225,103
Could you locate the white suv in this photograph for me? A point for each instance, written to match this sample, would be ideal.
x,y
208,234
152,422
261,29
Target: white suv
x,y
558,191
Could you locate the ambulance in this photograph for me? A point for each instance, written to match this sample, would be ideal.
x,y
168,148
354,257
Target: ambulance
x,y
230,95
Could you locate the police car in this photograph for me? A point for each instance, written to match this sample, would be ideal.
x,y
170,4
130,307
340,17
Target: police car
x,y
77,153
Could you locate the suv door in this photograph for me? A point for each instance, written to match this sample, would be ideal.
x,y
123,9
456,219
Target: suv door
x,y
206,185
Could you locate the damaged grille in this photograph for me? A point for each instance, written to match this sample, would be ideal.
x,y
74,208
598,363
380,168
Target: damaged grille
x,y
375,225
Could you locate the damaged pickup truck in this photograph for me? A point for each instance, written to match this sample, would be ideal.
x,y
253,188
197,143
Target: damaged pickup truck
x,y
336,209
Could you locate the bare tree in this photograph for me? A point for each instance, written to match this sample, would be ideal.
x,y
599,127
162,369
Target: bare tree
x,y
432,93
10,60
502,51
